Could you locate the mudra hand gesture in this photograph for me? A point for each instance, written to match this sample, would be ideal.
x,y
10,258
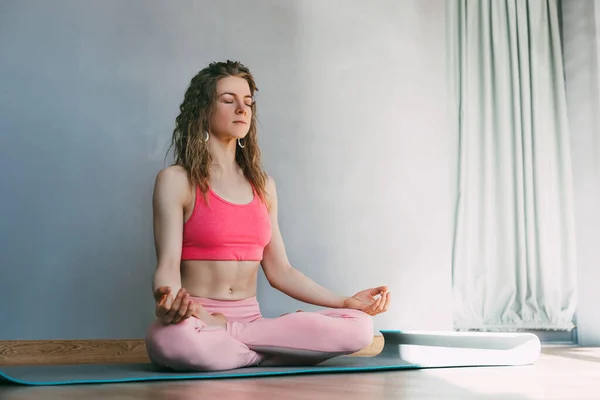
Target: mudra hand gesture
x,y
173,310
371,301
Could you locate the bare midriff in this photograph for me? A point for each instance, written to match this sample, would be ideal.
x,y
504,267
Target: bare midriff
x,y
220,280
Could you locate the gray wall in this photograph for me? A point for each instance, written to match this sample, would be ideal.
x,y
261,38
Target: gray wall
x,y
581,31
352,124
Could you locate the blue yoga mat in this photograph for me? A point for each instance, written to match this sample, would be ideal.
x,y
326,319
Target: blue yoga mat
x,y
402,350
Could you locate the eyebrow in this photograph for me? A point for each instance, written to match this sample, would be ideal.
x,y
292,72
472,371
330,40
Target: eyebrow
x,y
233,94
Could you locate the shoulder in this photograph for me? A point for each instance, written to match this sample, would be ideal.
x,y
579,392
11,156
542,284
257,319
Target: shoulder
x,y
270,185
271,191
172,177
172,182
172,173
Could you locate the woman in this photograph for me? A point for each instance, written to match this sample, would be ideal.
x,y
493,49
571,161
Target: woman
x,y
215,224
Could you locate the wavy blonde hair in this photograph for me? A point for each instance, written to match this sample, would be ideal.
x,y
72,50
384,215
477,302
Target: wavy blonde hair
x,y
196,110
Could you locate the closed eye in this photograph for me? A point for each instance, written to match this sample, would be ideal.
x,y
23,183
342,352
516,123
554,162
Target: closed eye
x,y
228,100
231,102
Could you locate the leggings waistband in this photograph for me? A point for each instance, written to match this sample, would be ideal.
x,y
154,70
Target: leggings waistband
x,y
246,310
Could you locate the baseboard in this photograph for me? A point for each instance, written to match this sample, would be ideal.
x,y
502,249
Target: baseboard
x,y
97,351
44,352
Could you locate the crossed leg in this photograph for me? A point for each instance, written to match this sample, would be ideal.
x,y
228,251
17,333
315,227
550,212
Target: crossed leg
x,y
291,339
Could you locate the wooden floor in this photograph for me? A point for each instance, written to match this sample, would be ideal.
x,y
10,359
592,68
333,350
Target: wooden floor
x,y
565,373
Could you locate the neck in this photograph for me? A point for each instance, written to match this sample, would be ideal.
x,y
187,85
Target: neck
x,y
223,155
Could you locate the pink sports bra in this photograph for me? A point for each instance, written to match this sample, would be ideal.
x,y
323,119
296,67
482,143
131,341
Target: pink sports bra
x,y
221,230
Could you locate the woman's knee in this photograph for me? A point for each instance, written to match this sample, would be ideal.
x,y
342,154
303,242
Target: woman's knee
x,y
181,346
359,333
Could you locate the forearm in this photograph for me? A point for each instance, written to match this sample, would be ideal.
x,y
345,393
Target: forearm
x,y
167,276
298,286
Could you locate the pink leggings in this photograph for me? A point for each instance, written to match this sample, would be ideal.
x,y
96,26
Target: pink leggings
x,y
300,338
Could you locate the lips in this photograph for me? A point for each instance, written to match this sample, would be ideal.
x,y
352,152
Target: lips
x,y
240,122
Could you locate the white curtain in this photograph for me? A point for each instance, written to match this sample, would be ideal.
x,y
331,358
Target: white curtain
x,y
514,263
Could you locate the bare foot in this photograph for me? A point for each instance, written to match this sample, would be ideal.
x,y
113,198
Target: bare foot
x,y
215,319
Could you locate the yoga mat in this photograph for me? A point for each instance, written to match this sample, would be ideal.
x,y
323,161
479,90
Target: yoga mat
x,y
402,350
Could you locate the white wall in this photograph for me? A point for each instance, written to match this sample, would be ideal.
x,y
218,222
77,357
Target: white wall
x,y
361,152
581,31
351,103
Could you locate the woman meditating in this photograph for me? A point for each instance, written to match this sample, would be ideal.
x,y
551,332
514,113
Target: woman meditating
x,y
215,225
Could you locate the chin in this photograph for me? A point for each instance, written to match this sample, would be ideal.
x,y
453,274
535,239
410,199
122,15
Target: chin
x,y
239,134
236,136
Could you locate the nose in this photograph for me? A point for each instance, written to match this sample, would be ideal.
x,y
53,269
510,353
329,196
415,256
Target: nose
x,y
240,109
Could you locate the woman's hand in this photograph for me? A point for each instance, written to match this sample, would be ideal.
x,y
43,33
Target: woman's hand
x,y
371,301
172,311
